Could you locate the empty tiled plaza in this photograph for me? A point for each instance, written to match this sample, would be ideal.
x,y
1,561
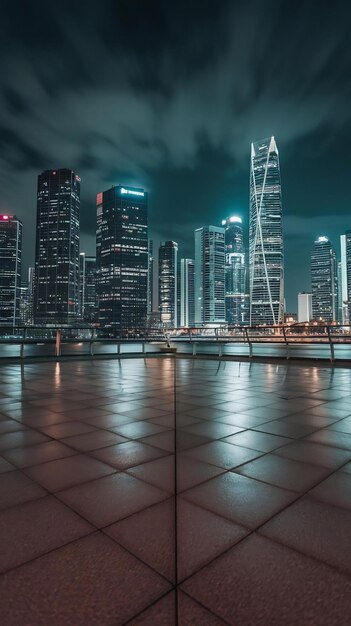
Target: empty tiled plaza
x,y
168,491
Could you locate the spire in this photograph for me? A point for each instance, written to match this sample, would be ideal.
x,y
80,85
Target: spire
x,y
273,146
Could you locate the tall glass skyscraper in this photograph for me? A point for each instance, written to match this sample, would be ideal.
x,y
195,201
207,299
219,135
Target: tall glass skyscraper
x,y
10,269
187,302
345,283
56,292
266,254
235,270
168,282
122,258
209,275
150,278
87,288
324,281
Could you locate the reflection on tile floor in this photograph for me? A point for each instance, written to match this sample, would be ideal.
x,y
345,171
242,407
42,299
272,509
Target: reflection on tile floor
x,y
109,517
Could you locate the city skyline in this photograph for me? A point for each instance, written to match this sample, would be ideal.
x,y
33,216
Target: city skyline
x,y
182,113
341,275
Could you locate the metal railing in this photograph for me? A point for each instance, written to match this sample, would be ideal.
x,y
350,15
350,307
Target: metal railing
x,y
290,339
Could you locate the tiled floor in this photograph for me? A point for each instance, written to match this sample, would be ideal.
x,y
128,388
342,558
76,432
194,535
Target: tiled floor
x,y
109,517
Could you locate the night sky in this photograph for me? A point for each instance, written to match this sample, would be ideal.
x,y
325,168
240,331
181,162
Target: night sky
x,y
168,96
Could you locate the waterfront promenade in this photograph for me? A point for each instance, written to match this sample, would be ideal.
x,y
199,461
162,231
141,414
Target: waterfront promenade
x,y
168,491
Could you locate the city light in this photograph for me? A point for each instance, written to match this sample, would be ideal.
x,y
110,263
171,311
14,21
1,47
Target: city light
x,y
132,192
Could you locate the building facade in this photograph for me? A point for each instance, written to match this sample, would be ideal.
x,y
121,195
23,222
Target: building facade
x,y
304,307
266,251
168,283
235,271
10,269
150,278
122,259
209,275
87,289
345,284
324,281
187,292
56,292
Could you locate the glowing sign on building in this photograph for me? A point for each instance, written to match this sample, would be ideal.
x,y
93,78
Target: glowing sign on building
x,y
132,192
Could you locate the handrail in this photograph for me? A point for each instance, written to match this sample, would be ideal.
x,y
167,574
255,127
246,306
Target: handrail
x,y
288,335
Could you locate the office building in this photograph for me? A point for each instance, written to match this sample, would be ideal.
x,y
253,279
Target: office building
x,y
266,254
150,278
304,307
122,259
345,284
210,275
168,283
87,288
56,292
324,281
235,270
187,292
10,269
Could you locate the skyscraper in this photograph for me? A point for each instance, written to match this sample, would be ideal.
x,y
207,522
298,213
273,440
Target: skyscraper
x,y
10,269
167,282
345,286
209,275
304,307
324,280
56,292
122,258
150,278
235,270
87,288
266,257
187,286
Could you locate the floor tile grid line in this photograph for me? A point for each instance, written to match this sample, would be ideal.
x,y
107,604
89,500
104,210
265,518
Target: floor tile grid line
x,y
299,438
140,613
206,608
315,431
257,530
77,452
175,489
90,452
93,531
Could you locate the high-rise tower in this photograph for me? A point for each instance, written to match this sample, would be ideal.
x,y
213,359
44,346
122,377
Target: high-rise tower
x,y
235,270
122,258
168,282
266,257
150,278
56,292
324,281
10,269
345,283
87,288
187,302
209,275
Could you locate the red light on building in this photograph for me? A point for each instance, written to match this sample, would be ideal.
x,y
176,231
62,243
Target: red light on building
x,y
6,217
99,198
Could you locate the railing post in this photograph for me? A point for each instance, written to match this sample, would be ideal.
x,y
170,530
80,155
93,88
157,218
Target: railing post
x,y
118,347
21,349
331,345
286,344
194,348
91,347
58,343
220,349
143,346
249,342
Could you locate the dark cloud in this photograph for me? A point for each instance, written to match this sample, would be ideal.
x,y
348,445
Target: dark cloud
x,y
169,96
